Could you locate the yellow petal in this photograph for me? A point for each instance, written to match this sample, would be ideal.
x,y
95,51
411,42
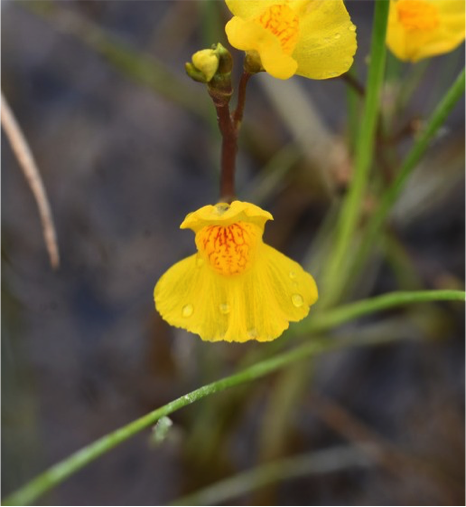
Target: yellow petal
x,y
451,11
327,42
248,9
188,296
408,43
251,36
246,35
452,20
236,288
290,290
257,305
226,214
276,62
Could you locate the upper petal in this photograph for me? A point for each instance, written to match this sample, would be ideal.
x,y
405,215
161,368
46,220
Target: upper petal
x,y
327,42
248,9
226,214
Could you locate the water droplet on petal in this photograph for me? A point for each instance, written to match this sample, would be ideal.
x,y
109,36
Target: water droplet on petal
x,y
337,36
224,308
292,275
252,333
352,28
187,310
297,300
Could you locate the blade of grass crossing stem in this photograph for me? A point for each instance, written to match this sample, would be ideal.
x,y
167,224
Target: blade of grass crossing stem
x,y
346,313
56,474
334,272
436,120
353,104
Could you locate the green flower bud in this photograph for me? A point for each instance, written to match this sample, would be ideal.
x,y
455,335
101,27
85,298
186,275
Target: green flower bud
x,y
206,62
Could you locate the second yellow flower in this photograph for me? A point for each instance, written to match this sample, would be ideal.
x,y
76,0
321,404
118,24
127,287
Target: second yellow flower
x,y
312,38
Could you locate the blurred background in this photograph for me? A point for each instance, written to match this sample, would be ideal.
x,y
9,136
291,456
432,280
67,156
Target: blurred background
x,y
127,145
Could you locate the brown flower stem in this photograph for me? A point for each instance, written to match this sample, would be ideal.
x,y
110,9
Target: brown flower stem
x,y
229,149
229,125
238,114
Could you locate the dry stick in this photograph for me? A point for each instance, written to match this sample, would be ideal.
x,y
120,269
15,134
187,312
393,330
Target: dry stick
x,y
31,172
388,455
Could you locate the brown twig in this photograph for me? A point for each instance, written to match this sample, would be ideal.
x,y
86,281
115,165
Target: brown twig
x,y
28,165
354,83
229,149
229,125
238,114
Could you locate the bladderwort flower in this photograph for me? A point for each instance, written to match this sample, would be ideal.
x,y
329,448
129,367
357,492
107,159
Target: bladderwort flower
x,y
235,288
312,38
420,29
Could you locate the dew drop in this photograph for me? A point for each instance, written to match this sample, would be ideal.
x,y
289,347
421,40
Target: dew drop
x,y
252,333
337,36
224,308
187,310
292,275
297,300
352,28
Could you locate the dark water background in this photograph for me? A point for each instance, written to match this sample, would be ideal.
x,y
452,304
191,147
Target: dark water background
x,y
83,350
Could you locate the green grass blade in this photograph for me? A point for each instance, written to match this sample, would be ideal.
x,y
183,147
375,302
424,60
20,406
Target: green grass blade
x,y
56,474
351,208
437,119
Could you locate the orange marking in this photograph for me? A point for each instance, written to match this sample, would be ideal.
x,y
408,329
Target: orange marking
x,y
283,23
228,249
417,14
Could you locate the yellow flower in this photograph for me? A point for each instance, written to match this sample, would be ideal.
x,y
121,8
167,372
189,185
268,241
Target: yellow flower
x,y
422,28
235,288
311,38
